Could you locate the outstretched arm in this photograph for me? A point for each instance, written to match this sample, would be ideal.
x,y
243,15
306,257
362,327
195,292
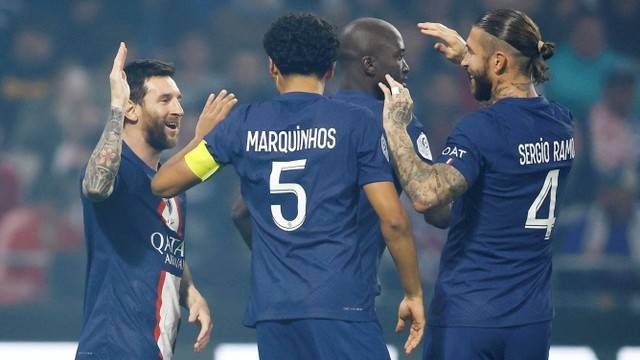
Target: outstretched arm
x,y
431,188
100,175
176,176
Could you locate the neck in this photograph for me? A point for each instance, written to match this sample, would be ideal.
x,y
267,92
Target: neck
x,y
300,83
139,145
361,85
519,87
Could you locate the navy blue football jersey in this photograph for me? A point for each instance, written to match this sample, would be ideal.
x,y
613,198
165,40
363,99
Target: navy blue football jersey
x,y
302,159
135,247
495,269
368,222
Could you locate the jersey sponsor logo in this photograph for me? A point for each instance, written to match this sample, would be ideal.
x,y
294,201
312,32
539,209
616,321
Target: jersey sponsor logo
x,y
170,247
423,146
287,141
384,147
540,152
454,152
171,214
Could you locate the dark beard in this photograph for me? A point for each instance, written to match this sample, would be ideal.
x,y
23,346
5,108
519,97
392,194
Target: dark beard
x,y
482,89
157,138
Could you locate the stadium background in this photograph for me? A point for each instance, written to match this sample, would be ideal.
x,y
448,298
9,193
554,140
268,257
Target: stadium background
x,y
55,60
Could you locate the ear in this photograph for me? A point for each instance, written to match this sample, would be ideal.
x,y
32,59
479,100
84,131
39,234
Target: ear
x,y
273,69
131,111
329,74
368,65
499,62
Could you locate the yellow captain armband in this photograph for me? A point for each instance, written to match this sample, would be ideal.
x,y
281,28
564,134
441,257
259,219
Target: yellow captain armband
x,y
200,161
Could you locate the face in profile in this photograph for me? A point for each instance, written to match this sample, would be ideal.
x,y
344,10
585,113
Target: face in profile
x,y
391,59
161,112
476,64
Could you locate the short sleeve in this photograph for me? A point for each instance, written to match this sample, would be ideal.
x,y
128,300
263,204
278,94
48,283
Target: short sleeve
x,y
419,140
462,148
373,153
224,141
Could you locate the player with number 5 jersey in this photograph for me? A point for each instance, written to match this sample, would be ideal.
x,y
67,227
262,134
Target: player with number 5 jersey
x,y
302,159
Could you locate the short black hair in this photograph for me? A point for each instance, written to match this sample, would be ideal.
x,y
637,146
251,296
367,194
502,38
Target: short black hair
x,y
519,31
139,71
302,43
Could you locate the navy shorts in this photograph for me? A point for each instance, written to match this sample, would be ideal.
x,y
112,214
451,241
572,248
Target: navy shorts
x,y
320,339
527,342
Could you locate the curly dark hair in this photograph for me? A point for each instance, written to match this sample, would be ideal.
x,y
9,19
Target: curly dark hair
x,y
302,43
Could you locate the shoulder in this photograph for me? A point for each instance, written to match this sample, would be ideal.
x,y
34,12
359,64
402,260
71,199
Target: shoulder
x,y
561,112
477,121
241,111
348,108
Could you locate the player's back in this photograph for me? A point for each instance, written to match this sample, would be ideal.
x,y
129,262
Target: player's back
x,y
496,265
302,158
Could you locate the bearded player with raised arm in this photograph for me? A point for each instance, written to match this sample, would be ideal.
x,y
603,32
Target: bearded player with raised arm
x,y
505,168
137,275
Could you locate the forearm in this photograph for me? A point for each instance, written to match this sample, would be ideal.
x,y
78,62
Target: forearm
x,y
102,168
428,186
188,291
399,240
174,176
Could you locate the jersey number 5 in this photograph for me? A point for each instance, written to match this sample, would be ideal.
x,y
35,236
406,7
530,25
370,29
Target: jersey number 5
x,y
276,187
550,186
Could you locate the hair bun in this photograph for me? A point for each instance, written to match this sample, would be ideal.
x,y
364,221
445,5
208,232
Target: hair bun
x,y
547,50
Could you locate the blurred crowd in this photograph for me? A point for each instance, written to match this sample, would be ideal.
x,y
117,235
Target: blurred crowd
x,y
54,103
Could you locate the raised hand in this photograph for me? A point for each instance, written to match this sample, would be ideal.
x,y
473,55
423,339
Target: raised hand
x,y
215,110
118,79
398,105
100,174
451,44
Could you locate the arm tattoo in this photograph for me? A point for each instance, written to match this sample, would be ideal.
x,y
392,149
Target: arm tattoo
x,y
430,185
100,175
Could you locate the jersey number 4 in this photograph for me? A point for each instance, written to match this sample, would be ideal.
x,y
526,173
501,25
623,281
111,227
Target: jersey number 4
x,y
550,187
276,187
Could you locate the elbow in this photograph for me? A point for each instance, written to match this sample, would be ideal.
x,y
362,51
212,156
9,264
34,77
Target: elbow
x,y
424,204
396,225
420,206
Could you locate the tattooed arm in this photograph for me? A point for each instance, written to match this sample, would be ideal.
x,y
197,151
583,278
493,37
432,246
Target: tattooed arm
x,y
431,188
100,175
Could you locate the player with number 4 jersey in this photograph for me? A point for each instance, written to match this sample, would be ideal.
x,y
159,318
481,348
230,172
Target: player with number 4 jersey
x,y
505,168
